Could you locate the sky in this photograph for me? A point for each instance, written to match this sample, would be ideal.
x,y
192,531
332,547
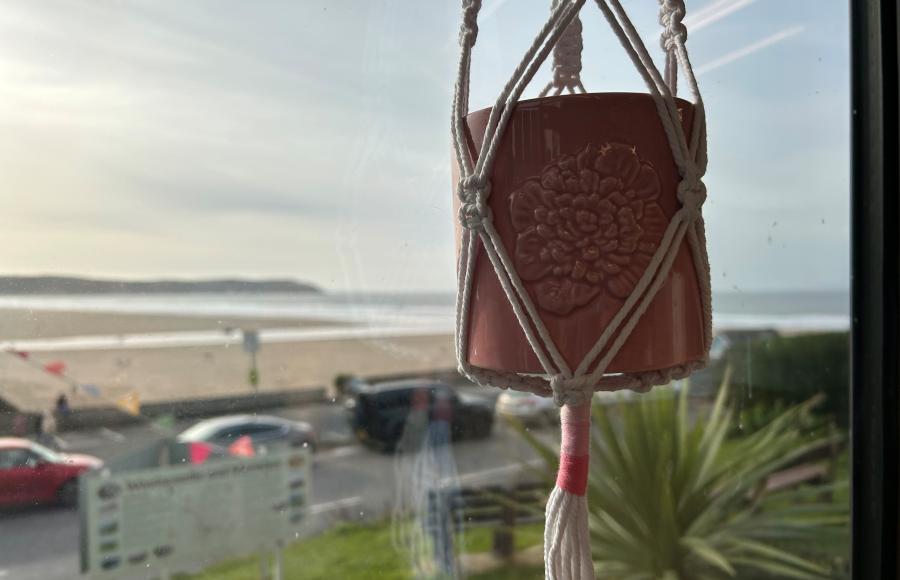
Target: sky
x,y
310,139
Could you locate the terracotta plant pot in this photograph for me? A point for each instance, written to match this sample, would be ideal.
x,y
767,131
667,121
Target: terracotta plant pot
x,y
582,189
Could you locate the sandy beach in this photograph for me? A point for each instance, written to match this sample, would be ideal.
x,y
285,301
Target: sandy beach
x,y
190,348
21,323
194,372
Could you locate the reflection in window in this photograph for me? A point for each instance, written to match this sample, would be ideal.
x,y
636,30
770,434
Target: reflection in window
x,y
215,210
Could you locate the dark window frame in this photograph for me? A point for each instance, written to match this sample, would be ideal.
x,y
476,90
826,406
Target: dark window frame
x,y
875,289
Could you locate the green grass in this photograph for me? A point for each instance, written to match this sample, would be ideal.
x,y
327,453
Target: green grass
x,y
479,539
358,552
512,573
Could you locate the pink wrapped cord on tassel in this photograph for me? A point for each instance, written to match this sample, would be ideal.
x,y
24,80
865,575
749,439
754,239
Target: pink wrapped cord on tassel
x,y
575,449
567,546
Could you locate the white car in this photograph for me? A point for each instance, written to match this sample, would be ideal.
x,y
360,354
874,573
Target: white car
x,y
527,407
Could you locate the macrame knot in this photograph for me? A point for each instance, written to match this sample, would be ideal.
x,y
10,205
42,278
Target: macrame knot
x,y
651,379
671,14
692,194
468,32
567,57
474,210
570,391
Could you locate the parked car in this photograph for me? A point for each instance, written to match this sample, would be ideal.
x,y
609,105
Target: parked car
x,y
263,430
348,386
33,474
379,412
527,407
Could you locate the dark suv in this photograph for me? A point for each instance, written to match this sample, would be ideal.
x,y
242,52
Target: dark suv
x,y
378,413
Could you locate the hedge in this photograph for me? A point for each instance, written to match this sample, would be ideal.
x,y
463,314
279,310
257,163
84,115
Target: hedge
x,y
792,369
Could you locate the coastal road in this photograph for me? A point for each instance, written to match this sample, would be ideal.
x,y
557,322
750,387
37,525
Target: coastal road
x,y
349,482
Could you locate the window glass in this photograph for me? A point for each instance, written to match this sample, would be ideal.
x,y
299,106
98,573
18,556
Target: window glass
x,y
231,210
234,432
261,430
12,458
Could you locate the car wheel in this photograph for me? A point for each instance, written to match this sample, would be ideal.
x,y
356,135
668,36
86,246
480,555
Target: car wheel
x,y
68,494
485,429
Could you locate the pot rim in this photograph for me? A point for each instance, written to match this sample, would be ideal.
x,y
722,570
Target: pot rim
x,y
678,100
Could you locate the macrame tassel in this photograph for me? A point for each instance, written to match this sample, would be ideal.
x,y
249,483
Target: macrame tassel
x,y
567,541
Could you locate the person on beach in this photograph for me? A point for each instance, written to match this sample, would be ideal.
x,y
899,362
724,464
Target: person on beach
x,y
62,405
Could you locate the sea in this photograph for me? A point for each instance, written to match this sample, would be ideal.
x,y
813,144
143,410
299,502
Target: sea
x,y
368,314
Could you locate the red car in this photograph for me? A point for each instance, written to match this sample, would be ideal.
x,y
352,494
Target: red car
x,y
32,474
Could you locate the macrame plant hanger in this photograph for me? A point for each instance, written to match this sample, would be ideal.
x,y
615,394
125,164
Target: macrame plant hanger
x,y
564,290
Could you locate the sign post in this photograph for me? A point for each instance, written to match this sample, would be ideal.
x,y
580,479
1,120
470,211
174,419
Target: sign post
x,y
278,571
251,346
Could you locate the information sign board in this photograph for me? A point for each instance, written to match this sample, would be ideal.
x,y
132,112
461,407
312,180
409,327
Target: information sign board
x,y
137,524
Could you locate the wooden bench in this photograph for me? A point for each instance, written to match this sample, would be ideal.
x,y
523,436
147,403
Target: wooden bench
x,y
810,473
501,508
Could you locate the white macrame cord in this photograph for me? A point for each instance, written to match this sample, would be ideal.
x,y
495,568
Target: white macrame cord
x,y
566,535
567,60
562,27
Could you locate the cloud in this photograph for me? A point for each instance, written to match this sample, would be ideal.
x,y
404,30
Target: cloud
x,y
749,49
714,12
311,139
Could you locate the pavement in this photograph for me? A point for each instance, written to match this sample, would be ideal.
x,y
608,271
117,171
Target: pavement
x,y
349,482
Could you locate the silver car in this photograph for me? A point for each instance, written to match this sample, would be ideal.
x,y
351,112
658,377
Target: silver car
x,y
263,430
527,407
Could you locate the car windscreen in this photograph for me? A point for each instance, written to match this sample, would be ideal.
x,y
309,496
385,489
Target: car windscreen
x,y
46,454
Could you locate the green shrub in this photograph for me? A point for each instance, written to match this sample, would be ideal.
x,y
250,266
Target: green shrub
x,y
792,369
667,501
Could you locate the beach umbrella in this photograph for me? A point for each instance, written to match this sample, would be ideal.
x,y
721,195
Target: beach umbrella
x,y
582,263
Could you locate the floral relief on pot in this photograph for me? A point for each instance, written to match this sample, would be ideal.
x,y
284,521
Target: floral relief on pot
x,y
587,226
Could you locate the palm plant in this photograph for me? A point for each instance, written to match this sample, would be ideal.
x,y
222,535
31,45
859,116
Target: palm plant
x,y
671,498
